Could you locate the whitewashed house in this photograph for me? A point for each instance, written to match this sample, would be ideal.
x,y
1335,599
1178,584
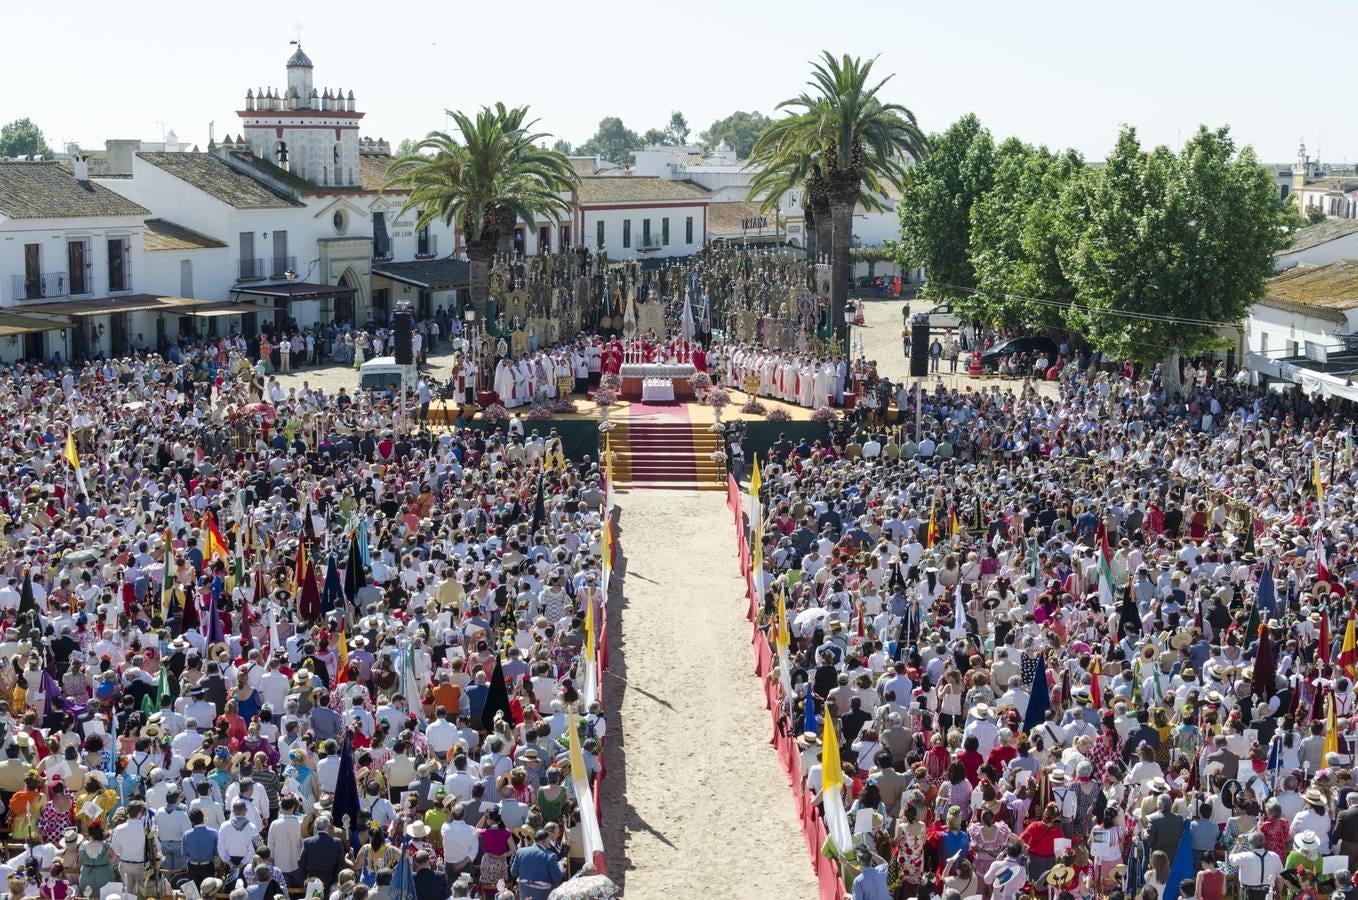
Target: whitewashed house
x,y
638,215
1316,245
72,269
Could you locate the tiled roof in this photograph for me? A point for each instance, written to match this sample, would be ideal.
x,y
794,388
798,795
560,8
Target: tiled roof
x,y
725,220
45,190
1321,233
638,189
1328,287
372,172
216,179
434,274
1343,184
162,234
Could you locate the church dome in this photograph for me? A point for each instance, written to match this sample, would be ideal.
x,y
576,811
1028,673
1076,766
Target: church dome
x,y
299,60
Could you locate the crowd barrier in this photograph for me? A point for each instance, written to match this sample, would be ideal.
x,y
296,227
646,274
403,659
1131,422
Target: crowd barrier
x,y
784,738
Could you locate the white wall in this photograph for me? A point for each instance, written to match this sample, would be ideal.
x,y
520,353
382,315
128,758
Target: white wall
x,y
613,228
1272,331
1345,247
52,236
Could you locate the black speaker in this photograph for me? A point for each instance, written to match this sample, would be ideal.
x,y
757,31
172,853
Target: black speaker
x,y
919,349
401,324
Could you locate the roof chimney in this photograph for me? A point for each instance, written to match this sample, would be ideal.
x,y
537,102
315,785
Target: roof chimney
x,y
81,165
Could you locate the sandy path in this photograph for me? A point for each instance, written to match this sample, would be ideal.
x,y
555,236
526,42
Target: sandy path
x,y
695,802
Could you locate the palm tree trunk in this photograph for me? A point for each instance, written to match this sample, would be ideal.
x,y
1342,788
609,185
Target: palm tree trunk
x,y
841,214
479,256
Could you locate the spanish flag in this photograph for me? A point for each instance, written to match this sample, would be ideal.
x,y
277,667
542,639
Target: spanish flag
x,y
214,546
1348,651
932,534
342,655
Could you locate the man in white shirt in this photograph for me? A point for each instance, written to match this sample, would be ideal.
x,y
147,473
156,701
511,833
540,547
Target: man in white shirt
x,y
441,734
1257,868
285,837
128,843
460,843
982,727
236,840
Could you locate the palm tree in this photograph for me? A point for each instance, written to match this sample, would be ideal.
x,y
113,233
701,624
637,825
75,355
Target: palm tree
x,y
495,171
787,157
863,145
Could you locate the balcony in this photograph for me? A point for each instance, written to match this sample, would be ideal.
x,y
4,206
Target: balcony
x,y
44,286
251,269
281,265
648,244
381,251
427,247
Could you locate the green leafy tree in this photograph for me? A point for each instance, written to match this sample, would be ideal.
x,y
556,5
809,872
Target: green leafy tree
x,y
787,158
936,204
1167,248
613,141
562,146
1015,239
492,173
677,129
740,130
654,136
1315,215
406,147
23,138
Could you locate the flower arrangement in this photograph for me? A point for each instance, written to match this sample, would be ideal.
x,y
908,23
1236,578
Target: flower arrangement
x,y
752,405
610,382
539,411
496,413
700,381
718,398
778,414
825,415
564,404
719,457
605,397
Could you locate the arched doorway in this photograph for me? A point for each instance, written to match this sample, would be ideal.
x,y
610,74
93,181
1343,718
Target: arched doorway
x,y
344,303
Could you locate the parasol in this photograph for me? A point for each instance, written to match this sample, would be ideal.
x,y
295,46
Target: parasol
x,y
80,557
585,887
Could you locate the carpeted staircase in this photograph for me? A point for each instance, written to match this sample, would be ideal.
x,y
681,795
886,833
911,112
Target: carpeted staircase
x,y
673,455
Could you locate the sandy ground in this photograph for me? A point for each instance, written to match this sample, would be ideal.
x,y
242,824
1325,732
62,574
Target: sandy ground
x,y
696,804
881,337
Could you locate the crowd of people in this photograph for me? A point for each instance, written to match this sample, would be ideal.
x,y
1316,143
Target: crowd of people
x,y
258,640
1092,642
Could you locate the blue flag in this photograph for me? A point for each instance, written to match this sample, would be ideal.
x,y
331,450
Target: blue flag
x,y
346,791
332,592
809,717
1040,700
402,877
1181,867
1268,592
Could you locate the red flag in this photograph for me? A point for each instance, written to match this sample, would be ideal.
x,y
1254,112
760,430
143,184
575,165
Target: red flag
x,y
1322,564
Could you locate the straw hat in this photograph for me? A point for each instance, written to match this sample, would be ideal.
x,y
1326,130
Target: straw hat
x,y
982,711
418,830
1307,842
1059,874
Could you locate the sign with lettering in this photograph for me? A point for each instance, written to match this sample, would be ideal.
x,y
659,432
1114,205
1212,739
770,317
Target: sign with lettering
x,y
754,223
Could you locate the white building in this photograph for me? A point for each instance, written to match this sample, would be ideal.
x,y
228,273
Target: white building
x,y
71,263
1303,331
638,215
1316,245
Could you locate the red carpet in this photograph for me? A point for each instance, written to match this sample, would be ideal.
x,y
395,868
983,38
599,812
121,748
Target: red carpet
x,y
665,450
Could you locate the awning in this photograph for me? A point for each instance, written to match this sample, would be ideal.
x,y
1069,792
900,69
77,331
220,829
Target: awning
x,y
227,308
429,274
124,303
12,325
294,290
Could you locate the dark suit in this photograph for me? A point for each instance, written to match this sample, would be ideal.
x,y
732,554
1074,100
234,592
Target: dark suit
x,y
1346,832
1139,734
322,857
1230,763
1163,830
430,885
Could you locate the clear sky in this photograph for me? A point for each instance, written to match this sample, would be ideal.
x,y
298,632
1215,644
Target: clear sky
x,y
1049,71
